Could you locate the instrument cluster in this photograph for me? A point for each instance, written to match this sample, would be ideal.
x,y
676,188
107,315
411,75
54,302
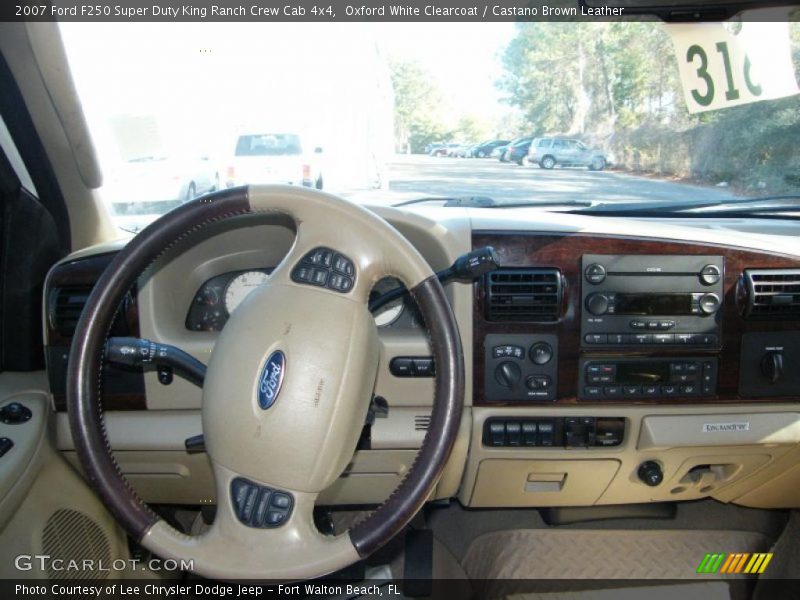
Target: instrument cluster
x,y
218,297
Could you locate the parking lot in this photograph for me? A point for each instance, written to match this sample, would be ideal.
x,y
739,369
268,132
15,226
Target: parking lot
x,y
415,176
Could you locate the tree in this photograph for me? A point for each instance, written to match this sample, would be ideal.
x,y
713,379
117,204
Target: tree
x,y
417,103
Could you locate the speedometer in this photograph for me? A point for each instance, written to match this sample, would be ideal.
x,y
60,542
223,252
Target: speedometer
x,y
240,286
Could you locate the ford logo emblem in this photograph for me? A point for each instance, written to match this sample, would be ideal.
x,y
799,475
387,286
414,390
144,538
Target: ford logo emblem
x,y
269,384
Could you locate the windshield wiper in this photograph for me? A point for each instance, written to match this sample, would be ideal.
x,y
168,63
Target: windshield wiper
x,y
773,207
486,202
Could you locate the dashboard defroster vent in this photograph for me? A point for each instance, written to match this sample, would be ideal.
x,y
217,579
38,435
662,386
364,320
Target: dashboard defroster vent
x,y
523,295
66,305
771,294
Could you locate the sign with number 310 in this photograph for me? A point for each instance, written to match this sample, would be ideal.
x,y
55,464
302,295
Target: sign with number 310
x,y
719,68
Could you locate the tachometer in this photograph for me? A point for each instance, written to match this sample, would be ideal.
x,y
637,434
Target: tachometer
x,y
389,313
240,286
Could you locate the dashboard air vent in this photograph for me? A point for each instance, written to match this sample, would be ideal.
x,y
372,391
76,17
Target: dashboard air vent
x,y
523,295
422,422
66,306
772,294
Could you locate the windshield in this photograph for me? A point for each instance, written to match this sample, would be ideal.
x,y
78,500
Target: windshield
x,y
618,112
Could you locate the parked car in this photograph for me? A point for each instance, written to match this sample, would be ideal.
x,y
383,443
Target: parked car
x,y
486,148
160,179
547,152
518,151
515,148
432,146
274,158
444,150
499,151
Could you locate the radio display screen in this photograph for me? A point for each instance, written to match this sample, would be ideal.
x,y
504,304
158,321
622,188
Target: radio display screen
x,y
640,372
653,304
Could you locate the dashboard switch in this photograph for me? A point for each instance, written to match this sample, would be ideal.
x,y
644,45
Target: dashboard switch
x,y
772,366
497,433
14,413
5,445
507,374
541,353
650,473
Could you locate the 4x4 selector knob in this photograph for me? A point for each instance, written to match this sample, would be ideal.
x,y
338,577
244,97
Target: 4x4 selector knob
x,y
597,304
541,353
507,374
650,473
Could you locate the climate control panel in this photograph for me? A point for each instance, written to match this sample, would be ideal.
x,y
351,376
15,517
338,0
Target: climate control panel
x,y
521,367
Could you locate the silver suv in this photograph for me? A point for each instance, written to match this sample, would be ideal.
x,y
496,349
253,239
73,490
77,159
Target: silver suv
x,y
548,152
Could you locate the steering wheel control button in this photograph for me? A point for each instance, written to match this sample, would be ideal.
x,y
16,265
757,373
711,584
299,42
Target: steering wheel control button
x,y
15,413
259,506
343,265
319,257
520,367
412,366
5,445
323,267
595,273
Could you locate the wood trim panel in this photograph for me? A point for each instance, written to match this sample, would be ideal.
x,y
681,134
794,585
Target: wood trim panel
x,y
86,271
564,251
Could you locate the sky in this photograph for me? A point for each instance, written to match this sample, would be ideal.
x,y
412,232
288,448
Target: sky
x,y
463,58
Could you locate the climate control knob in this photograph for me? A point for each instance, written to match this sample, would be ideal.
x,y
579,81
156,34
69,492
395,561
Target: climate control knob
x,y
597,304
507,374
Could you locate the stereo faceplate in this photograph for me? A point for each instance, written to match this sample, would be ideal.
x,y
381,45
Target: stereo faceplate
x,y
651,300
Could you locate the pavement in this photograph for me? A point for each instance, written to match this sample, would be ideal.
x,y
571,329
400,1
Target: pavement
x,y
417,176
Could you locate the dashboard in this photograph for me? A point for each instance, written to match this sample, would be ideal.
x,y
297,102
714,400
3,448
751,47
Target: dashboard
x,y
608,360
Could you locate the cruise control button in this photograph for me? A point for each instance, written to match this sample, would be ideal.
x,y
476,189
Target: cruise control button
x,y
319,277
319,256
343,265
340,283
275,517
280,500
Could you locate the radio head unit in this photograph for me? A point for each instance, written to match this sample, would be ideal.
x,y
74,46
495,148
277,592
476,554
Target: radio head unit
x,y
651,300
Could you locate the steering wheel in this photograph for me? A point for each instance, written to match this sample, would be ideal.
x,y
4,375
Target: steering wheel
x,y
286,392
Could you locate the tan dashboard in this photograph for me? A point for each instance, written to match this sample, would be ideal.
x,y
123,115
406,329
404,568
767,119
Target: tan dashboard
x,y
533,433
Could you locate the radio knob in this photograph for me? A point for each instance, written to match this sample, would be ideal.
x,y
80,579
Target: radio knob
x,y
595,273
709,303
597,304
709,275
507,374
